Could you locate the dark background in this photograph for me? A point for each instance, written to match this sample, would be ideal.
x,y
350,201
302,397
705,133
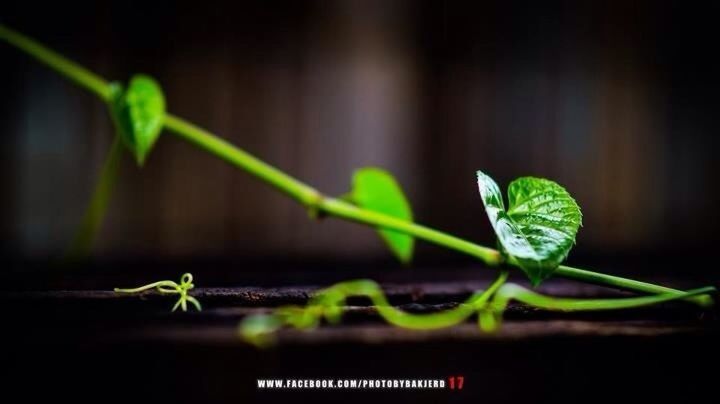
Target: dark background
x,y
615,100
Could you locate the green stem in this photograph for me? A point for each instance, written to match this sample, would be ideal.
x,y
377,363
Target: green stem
x,y
161,286
404,319
312,199
490,319
303,193
511,291
95,212
78,74
622,283
239,158
330,304
344,210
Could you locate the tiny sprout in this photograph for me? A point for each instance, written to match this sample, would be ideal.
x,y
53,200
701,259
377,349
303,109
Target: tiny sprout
x,y
168,287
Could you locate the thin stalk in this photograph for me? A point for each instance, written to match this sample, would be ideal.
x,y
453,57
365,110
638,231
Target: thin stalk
x,y
515,292
78,74
622,283
305,194
400,318
490,319
329,303
95,212
312,199
221,148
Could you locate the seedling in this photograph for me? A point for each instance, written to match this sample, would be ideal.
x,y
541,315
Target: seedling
x,y
535,233
171,288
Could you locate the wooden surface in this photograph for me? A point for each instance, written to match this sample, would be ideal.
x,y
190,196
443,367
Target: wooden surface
x,y
91,342
146,316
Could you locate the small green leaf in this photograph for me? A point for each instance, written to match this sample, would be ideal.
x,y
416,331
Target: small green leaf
x,y
376,189
138,112
539,227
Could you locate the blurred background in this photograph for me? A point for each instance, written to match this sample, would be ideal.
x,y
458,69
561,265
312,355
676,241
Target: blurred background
x,y
617,101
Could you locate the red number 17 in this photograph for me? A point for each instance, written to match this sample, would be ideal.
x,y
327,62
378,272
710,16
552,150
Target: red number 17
x,y
456,381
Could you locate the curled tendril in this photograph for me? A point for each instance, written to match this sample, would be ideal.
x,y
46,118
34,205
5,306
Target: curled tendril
x,y
328,304
170,287
489,305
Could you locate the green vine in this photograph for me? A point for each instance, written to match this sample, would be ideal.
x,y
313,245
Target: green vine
x,y
168,287
95,212
489,305
535,233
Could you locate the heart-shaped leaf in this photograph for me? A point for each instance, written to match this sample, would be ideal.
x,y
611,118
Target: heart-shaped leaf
x,y
539,227
138,112
376,189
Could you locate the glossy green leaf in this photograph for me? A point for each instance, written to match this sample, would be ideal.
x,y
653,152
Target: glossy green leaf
x,y
539,227
138,112
376,189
